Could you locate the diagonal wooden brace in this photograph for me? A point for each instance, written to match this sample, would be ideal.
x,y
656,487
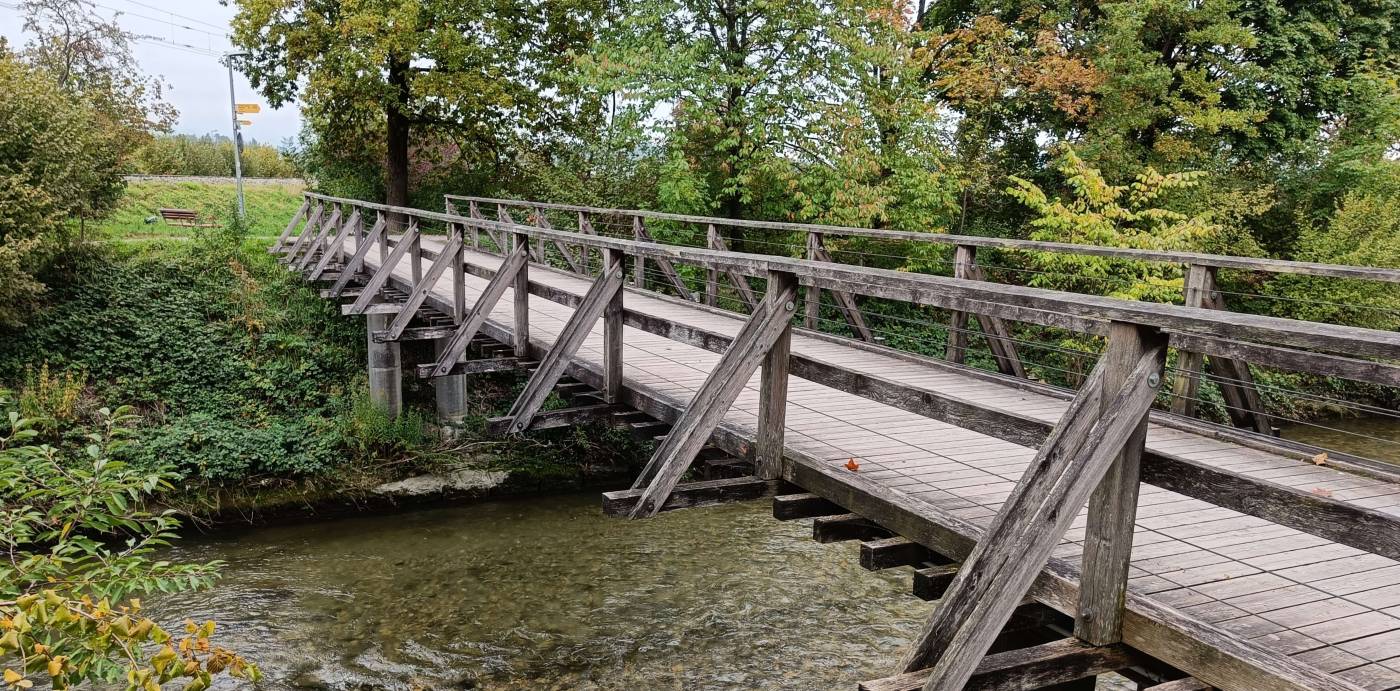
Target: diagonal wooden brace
x,y
317,243
844,301
287,233
471,324
313,224
330,253
599,296
381,277
692,431
570,257
664,265
357,261
1016,547
445,257
994,329
740,282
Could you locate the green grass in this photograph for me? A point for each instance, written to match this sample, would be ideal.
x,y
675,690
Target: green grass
x,y
269,208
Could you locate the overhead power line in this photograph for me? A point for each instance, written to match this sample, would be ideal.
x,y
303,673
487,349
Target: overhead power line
x,y
138,3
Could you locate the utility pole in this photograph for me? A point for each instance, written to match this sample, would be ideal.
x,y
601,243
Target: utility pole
x,y
237,131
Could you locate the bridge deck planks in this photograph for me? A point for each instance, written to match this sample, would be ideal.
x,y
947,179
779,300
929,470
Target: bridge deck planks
x,y
1243,574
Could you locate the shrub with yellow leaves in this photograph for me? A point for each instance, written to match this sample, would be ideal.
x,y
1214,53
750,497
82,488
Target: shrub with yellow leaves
x,y
79,541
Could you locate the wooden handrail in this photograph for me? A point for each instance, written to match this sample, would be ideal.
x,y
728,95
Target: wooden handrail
x,y
1280,266
1086,313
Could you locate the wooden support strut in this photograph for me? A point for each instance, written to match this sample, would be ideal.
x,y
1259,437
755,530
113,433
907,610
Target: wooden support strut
x,y
1006,561
312,221
769,321
998,335
445,258
600,295
844,301
381,276
333,251
481,309
772,393
301,253
740,282
667,269
1242,402
287,233
1108,538
317,243
357,260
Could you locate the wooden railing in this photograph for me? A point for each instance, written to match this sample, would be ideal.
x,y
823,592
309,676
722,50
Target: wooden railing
x,y
1094,454
1230,371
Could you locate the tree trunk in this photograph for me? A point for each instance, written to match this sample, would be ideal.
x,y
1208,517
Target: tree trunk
x,y
396,140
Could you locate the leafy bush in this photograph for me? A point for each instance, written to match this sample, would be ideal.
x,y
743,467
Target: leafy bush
x,y
209,155
79,542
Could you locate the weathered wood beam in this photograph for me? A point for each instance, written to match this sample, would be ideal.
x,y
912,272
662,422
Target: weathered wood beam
x,y
1018,544
694,494
307,232
714,397
612,332
357,260
891,552
520,295
846,526
844,302
481,309
299,262
773,392
572,416
480,366
1187,684
580,324
667,269
1200,280
422,285
930,583
738,280
794,506
330,253
282,239
1108,538
1036,667
382,274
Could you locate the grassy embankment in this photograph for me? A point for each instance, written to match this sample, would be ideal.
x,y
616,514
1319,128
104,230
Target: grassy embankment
x,y
251,386
269,207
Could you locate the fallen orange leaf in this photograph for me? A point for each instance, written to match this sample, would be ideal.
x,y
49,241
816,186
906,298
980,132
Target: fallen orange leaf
x,y
1320,459
852,466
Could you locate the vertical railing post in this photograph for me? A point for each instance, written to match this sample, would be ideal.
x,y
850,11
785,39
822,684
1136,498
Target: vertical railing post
x,y
963,257
612,330
416,252
459,278
475,212
711,273
639,263
773,388
383,239
1200,281
813,308
521,289
1108,538
587,228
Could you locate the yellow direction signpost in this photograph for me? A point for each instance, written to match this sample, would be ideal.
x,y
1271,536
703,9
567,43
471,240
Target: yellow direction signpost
x,y
247,108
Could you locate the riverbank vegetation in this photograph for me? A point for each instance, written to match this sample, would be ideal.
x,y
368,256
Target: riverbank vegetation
x,y
210,156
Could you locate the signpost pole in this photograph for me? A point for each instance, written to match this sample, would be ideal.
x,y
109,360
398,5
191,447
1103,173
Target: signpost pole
x,y
237,134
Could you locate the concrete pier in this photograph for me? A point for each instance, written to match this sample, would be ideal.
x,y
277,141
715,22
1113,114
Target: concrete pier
x,y
385,367
451,396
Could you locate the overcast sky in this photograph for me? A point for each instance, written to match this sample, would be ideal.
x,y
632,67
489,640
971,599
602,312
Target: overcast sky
x,y
198,83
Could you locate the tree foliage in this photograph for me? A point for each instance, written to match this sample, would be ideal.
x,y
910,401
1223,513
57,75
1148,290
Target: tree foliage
x,y
79,545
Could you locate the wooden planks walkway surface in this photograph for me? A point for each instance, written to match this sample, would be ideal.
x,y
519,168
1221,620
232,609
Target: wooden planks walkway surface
x,y
1330,606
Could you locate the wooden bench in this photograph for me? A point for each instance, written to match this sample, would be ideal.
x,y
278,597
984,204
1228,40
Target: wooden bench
x,y
186,218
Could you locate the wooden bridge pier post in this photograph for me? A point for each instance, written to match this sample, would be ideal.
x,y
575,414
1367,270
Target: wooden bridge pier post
x,y
613,260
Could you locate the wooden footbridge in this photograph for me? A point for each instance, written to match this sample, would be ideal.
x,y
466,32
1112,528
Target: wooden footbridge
x,y
1065,534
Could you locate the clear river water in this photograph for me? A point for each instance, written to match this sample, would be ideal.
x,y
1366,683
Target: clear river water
x,y
547,593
